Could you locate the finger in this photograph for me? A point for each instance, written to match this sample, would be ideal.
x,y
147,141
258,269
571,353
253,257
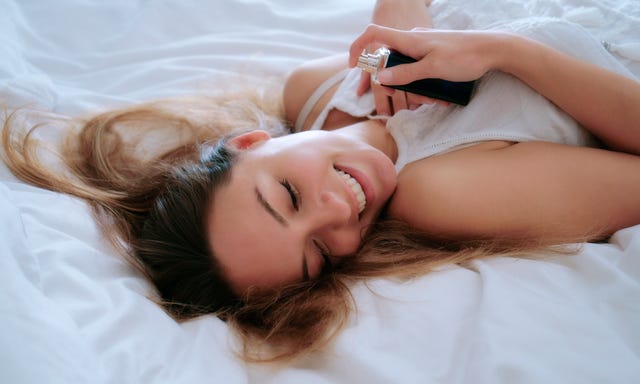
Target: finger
x,y
382,101
365,83
406,73
387,90
417,100
399,101
375,34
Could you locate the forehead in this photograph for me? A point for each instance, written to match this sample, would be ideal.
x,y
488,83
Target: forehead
x,y
249,244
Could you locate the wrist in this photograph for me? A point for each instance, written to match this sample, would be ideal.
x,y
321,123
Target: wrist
x,y
402,14
513,53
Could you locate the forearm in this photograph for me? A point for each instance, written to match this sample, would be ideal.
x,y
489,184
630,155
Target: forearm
x,y
402,14
534,190
605,103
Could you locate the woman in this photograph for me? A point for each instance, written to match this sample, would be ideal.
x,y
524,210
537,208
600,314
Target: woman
x,y
245,227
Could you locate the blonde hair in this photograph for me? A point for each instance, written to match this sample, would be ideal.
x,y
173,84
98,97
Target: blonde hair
x,y
155,161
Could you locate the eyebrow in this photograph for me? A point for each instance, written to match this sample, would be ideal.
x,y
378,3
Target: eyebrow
x,y
270,209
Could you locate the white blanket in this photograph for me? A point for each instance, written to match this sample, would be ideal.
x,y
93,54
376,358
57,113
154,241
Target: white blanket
x,y
72,311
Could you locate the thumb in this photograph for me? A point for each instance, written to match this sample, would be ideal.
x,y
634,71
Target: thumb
x,y
404,73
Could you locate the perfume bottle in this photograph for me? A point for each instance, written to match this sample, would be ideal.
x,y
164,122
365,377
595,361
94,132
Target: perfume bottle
x,y
451,91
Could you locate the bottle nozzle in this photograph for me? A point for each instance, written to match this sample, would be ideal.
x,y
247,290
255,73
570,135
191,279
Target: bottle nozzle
x,y
372,62
368,62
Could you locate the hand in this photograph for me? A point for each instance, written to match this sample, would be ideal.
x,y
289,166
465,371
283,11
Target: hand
x,y
449,55
396,100
402,14
397,14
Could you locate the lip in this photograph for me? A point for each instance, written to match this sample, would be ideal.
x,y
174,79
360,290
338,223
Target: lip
x,y
365,183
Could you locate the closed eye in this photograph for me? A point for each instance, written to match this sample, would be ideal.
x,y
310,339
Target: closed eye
x,y
293,193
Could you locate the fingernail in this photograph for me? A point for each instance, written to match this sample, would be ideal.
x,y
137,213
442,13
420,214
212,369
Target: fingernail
x,y
385,76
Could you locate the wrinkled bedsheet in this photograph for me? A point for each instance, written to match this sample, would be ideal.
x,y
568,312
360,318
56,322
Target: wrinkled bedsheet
x,y
72,311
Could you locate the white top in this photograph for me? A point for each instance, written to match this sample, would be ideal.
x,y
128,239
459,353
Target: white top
x,y
502,107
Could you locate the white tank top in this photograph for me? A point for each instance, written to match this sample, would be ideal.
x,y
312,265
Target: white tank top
x,y
502,107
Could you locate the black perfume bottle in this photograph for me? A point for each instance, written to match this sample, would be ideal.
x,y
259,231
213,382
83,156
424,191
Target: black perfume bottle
x,y
451,91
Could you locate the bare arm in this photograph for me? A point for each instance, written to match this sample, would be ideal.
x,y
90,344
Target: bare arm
x,y
531,190
534,190
302,81
603,102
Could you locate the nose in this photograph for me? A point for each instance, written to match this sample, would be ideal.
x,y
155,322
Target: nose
x,y
336,224
333,210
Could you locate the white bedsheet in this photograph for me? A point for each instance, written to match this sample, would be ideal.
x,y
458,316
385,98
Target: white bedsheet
x,y
71,311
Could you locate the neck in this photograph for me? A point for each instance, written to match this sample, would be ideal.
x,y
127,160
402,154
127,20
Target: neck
x,y
374,133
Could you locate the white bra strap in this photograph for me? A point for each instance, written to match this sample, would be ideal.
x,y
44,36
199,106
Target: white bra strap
x,y
316,95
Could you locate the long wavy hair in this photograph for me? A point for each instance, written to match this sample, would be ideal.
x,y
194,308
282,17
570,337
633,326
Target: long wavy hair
x,y
149,173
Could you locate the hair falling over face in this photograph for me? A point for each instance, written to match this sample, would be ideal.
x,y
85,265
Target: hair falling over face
x,y
149,173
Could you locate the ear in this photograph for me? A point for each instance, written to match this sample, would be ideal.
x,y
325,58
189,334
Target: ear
x,y
248,139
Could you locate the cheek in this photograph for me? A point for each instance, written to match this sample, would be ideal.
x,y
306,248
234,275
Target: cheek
x,y
291,154
306,160
253,250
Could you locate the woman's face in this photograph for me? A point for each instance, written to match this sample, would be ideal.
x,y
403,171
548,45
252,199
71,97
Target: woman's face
x,y
293,202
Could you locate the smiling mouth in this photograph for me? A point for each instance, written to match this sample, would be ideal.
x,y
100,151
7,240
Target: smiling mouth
x,y
356,188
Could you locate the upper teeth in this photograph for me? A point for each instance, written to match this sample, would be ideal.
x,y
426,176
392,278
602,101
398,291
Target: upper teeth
x,y
356,188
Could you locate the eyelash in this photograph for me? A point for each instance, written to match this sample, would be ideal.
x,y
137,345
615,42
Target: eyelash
x,y
293,193
295,201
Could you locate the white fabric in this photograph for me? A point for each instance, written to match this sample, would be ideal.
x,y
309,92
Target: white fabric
x,y
311,102
72,311
346,100
502,108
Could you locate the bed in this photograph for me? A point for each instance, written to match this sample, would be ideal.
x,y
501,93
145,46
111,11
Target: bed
x,y
72,311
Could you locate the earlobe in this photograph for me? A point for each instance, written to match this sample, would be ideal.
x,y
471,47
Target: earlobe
x,y
248,139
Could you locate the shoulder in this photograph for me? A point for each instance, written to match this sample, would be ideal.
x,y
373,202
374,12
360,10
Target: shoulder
x,y
302,83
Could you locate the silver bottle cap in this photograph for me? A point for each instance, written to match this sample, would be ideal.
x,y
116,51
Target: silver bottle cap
x,y
372,62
